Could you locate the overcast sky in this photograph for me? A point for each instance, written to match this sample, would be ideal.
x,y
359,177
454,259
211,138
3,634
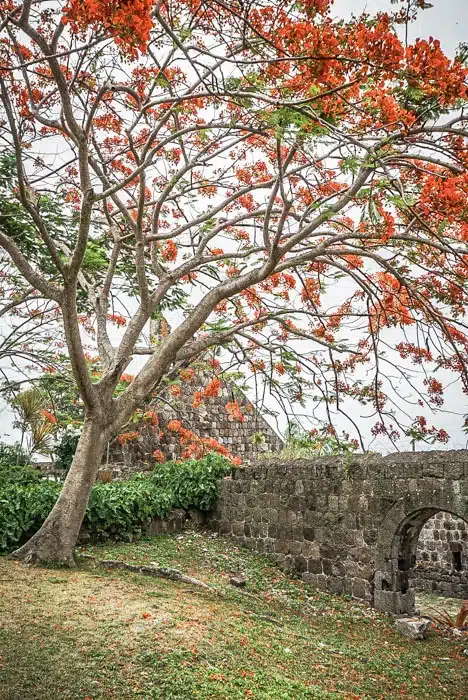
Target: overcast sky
x,y
447,20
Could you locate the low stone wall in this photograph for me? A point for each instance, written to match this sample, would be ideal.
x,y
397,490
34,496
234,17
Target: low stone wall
x,y
453,584
345,525
176,520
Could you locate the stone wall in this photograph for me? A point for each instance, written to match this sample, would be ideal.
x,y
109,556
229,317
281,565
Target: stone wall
x,y
177,520
246,439
442,556
346,526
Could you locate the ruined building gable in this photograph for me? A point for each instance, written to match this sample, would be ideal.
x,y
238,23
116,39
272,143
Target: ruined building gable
x,y
245,439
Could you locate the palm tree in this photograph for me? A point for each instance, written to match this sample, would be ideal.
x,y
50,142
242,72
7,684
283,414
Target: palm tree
x,y
35,422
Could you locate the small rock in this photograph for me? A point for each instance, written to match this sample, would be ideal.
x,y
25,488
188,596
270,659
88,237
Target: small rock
x,y
413,627
238,581
465,652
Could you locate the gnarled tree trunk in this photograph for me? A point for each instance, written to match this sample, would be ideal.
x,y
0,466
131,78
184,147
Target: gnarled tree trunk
x,y
56,539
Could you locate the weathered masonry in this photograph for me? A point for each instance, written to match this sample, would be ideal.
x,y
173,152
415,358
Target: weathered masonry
x,y
247,440
347,525
442,556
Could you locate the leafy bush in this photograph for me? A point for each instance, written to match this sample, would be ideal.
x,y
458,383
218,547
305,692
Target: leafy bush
x,y
13,454
118,508
23,475
23,509
192,482
66,448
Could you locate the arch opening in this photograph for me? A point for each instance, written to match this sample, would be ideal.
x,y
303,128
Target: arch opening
x,y
441,566
436,562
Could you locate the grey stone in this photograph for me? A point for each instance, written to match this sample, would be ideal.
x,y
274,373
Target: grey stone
x,y
238,581
355,531
413,627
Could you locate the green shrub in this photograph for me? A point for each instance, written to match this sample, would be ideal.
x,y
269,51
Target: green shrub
x,y
23,475
23,509
121,506
193,482
13,454
118,508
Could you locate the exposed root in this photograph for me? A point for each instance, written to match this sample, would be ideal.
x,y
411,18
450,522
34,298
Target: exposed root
x,y
32,555
152,570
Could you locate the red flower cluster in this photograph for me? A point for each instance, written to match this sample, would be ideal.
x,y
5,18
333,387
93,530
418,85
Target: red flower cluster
x,y
128,21
132,435
48,416
234,411
197,447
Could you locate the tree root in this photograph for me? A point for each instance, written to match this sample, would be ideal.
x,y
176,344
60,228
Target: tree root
x,y
31,555
152,570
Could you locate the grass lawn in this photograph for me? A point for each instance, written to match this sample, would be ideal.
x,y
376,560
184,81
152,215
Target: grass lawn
x,y
89,634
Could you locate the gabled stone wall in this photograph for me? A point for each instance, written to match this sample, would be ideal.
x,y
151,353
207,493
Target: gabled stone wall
x,y
247,439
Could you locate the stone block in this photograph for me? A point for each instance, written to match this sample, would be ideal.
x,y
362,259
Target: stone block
x,y
310,579
272,530
225,527
413,627
360,589
315,566
322,582
281,547
327,566
335,585
300,563
310,550
338,569
294,547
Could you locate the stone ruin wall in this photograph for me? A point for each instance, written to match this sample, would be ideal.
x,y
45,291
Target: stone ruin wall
x,y
442,556
247,439
338,523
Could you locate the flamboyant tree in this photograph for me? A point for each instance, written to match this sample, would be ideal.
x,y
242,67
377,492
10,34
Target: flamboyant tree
x,y
293,187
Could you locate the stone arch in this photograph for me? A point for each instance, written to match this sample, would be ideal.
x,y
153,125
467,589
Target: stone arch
x,y
397,542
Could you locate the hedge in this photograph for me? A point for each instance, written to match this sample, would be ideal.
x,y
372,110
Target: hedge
x,y
24,474
118,508
193,482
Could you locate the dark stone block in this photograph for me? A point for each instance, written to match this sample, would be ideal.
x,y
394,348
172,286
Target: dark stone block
x,y
298,533
300,564
315,566
272,530
335,585
327,566
338,569
285,532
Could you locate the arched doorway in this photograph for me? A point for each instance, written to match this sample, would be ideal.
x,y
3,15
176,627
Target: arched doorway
x,y
397,547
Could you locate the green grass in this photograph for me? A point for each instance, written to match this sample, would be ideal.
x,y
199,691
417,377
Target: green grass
x,y
94,634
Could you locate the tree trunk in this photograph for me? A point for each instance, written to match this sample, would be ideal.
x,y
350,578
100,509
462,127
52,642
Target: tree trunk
x,y
56,539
